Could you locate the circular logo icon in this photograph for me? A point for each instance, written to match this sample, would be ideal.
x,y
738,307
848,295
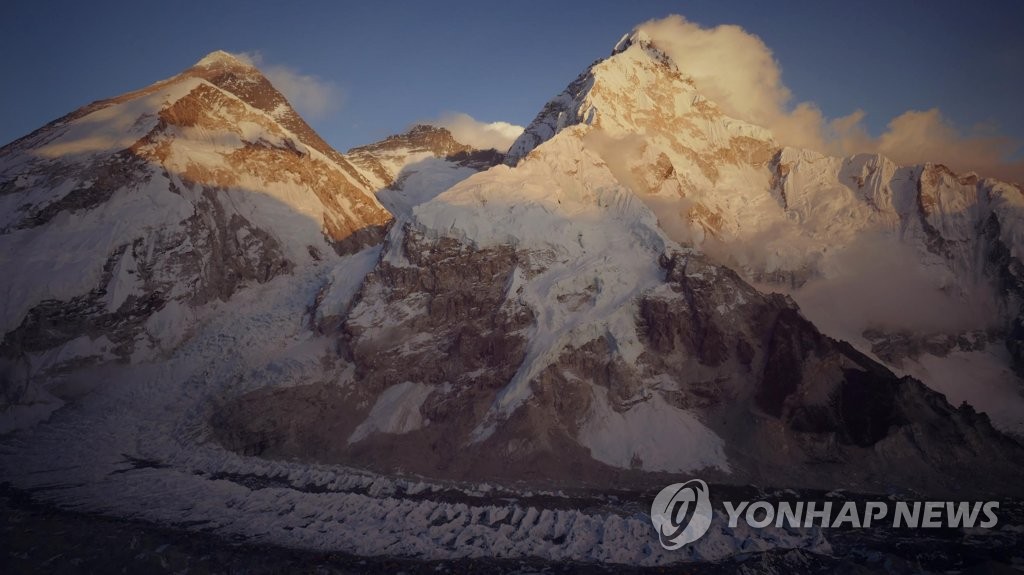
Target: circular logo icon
x,y
681,513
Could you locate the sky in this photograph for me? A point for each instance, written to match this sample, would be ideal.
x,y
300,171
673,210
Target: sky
x,y
359,71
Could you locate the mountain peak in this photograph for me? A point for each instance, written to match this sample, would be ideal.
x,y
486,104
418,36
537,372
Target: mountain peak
x,y
237,75
637,36
222,59
420,137
637,89
428,129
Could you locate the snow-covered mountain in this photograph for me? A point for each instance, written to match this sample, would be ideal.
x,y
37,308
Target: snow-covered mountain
x,y
240,315
121,221
577,310
894,244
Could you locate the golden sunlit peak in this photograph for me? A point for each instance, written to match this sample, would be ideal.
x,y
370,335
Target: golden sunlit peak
x,y
222,59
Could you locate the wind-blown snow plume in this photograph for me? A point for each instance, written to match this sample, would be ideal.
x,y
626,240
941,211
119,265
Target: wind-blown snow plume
x,y
311,96
738,71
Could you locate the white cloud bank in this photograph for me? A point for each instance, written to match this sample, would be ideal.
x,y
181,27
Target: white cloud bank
x,y
735,69
480,135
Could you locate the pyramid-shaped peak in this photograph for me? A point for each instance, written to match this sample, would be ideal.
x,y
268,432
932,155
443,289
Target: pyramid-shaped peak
x,y
222,59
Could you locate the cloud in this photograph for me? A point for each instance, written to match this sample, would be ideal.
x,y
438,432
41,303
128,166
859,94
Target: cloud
x,y
916,137
882,284
736,70
481,135
620,155
311,96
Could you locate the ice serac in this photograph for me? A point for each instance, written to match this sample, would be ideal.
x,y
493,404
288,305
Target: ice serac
x,y
586,310
122,221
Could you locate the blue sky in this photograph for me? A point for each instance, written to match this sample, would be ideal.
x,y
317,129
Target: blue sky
x,y
389,64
